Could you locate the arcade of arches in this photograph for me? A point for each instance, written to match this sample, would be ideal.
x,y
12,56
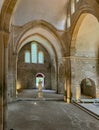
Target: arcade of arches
x,y
66,55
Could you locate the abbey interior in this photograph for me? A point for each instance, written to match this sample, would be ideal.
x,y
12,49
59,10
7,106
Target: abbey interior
x,y
56,42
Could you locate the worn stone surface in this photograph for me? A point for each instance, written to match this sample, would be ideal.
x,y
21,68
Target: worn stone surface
x,y
33,94
42,115
27,71
84,68
56,18
0,112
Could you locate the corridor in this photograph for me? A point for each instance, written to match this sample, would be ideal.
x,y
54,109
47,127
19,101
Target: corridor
x,y
48,115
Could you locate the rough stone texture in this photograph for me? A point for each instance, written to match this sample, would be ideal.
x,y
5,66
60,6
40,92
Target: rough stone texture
x,y
33,94
0,113
27,71
81,69
88,88
6,18
61,78
42,115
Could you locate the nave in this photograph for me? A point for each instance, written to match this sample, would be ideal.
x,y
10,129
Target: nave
x,y
49,115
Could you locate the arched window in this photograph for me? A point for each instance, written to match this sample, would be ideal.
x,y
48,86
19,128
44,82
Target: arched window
x,y
40,57
27,57
34,52
34,56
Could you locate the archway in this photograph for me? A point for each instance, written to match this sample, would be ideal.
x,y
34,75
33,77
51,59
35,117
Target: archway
x,y
88,88
40,77
34,66
84,50
5,24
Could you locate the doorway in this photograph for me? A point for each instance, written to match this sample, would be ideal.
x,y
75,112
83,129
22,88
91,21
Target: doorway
x,y
40,77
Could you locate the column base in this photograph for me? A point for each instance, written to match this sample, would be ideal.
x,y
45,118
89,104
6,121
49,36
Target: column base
x,y
68,100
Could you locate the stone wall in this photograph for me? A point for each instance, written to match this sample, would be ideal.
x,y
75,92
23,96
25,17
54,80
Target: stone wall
x,y
82,68
26,72
61,78
0,112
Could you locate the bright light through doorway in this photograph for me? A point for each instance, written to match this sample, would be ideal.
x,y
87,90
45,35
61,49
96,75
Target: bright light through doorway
x,y
38,79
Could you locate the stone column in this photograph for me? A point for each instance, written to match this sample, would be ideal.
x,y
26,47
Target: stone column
x,y
68,73
67,80
5,90
78,93
97,92
12,69
5,36
14,75
57,76
1,79
5,42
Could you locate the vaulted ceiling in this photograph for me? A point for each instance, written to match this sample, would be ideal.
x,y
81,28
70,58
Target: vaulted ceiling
x,y
53,11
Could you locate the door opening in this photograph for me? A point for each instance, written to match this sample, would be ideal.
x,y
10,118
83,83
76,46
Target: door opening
x,y
39,77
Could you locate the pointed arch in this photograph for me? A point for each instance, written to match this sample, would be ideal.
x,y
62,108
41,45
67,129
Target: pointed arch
x,y
40,29
82,22
76,29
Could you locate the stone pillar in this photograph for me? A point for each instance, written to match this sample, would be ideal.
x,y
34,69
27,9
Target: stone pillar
x,y
56,76
1,80
67,80
65,90
78,93
5,89
12,69
1,122
97,92
68,73
5,42
14,75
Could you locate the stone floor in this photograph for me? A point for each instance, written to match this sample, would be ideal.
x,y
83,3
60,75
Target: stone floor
x,y
91,107
50,95
33,93
31,114
49,115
